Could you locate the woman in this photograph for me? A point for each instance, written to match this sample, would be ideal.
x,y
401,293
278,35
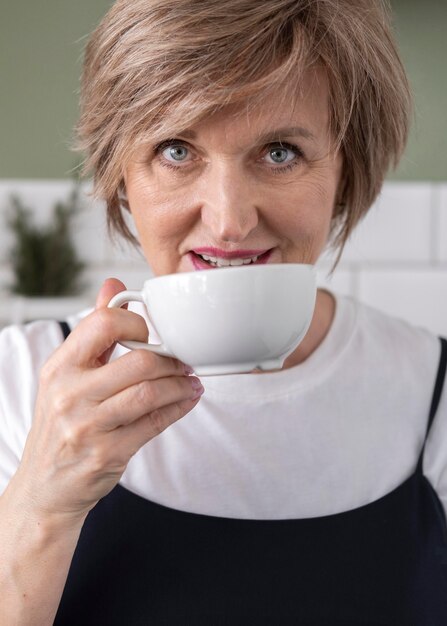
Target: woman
x,y
302,496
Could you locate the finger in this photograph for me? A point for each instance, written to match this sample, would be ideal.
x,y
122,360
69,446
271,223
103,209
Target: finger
x,y
144,398
127,370
109,288
99,331
132,437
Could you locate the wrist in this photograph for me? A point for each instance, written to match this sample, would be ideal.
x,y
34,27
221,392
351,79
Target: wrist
x,y
34,549
23,510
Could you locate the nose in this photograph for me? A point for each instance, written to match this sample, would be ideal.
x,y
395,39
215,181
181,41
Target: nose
x,y
229,203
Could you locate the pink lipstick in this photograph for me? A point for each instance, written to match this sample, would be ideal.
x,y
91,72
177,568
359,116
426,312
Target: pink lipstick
x,y
200,263
226,254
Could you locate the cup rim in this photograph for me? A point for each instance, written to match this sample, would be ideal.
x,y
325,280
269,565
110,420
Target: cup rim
x,y
247,268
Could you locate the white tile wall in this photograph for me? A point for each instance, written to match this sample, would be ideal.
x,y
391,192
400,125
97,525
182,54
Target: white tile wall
x,y
396,260
397,227
419,295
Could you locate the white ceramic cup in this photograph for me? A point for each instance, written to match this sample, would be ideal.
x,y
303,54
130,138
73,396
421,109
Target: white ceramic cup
x,y
228,320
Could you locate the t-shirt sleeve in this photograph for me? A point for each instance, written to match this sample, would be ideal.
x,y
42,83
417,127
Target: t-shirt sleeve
x,y
23,351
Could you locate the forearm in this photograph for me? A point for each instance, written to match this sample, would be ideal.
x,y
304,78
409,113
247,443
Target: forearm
x,y
35,556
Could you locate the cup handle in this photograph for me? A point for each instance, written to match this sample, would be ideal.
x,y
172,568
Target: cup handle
x,y
128,296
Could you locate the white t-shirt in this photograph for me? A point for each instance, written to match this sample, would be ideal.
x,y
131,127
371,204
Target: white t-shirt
x,y
336,432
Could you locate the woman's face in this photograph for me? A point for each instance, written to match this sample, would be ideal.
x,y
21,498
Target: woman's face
x,y
239,185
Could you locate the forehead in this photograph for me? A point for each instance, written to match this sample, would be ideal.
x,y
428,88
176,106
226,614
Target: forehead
x,y
302,108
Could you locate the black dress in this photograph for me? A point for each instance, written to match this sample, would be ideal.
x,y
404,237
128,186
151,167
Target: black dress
x,y
140,563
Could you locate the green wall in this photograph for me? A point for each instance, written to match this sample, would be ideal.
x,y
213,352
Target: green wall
x,y
421,30
41,45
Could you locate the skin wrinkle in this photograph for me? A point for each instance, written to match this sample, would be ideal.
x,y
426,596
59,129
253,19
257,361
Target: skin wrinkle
x,y
157,187
227,195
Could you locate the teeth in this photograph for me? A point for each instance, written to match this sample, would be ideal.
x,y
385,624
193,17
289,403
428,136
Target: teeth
x,y
228,262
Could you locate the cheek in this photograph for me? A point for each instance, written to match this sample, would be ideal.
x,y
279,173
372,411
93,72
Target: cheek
x,y
160,217
304,210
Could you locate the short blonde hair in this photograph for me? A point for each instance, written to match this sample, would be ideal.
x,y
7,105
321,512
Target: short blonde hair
x,y
152,66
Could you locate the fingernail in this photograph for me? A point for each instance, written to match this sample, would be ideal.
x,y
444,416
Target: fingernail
x,y
188,370
196,384
197,394
197,387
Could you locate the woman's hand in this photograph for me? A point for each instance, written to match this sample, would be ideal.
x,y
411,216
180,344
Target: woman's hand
x,y
92,416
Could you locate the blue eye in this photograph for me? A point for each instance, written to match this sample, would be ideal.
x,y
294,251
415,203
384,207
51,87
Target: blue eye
x,y
281,154
177,152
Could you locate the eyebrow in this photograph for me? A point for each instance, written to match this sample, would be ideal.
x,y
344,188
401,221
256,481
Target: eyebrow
x,y
288,131
274,135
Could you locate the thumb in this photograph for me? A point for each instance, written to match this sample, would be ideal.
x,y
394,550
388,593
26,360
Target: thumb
x,y
110,288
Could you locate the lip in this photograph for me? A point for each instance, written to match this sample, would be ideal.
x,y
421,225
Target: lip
x,y
200,264
225,254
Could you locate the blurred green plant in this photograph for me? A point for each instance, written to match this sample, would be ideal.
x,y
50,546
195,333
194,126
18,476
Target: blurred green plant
x,y
44,260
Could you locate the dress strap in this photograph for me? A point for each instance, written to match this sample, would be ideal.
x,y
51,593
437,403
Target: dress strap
x,y
65,328
437,391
